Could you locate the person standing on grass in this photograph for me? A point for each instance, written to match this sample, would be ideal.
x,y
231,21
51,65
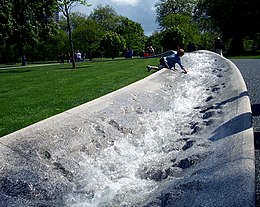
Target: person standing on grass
x,y
23,60
78,56
218,46
169,62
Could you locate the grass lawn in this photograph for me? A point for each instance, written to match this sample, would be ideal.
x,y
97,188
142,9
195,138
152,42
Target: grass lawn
x,y
28,95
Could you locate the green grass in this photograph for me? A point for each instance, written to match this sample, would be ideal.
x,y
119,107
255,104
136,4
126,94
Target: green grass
x,y
28,95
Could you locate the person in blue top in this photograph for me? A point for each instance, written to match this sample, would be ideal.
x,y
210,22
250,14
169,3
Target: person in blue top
x,y
169,62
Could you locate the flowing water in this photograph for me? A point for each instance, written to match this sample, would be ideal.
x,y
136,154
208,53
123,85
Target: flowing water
x,y
137,166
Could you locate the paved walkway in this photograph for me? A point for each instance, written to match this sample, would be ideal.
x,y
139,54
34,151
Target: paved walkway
x,y
250,69
28,66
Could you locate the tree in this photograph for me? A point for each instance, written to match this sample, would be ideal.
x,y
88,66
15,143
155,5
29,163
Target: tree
x,y
173,38
24,23
233,19
132,32
53,47
105,16
76,19
6,29
183,25
6,22
87,35
65,6
177,25
155,40
111,44
167,7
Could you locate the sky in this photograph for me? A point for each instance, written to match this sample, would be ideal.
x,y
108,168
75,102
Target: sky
x,y
140,11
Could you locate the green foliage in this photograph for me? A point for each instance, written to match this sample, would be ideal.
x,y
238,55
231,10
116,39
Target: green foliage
x,y
87,36
112,44
232,18
76,19
31,21
65,6
167,7
53,47
183,25
155,41
105,16
27,27
24,24
132,32
207,41
173,38
177,24
6,22
248,43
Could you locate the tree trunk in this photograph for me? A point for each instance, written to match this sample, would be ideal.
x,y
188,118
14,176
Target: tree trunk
x,y
70,38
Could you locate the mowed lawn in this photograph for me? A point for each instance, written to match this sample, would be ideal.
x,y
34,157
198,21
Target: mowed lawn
x,y
31,94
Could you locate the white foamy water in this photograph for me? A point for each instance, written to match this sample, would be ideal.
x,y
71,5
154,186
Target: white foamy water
x,y
136,166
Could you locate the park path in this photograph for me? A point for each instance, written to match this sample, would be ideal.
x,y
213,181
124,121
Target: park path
x,y
28,66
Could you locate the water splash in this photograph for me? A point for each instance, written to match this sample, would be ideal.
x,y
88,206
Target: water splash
x,y
129,171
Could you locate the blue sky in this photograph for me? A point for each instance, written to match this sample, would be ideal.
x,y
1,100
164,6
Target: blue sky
x,y
141,11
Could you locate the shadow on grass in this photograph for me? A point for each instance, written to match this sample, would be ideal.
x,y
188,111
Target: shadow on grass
x,y
15,71
77,67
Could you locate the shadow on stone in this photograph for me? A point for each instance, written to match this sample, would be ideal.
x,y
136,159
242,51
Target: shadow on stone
x,y
257,140
233,126
255,109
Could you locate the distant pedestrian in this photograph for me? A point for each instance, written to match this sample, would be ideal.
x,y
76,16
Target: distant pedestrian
x,y
191,47
62,57
68,57
126,53
169,62
23,60
130,53
90,55
151,50
218,46
78,56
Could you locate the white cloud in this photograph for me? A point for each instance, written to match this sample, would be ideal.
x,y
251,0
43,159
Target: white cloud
x,y
126,2
141,11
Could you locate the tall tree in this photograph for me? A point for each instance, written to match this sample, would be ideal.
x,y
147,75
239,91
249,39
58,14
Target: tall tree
x,y
65,6
6,28
167,7
6,21
132,32
234,19
184,25
25,22
112,43
155,41
105,16
87,35
76,19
